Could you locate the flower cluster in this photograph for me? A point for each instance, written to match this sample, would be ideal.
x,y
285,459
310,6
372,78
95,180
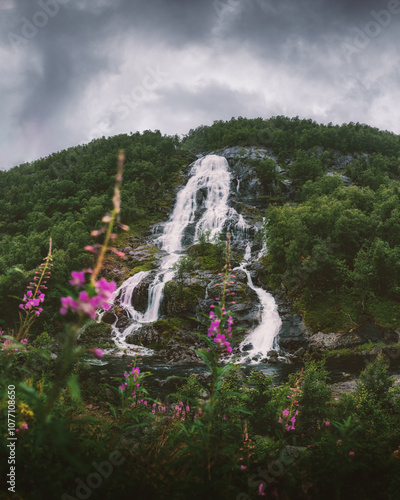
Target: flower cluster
x,y
35,295
221,319
221,323
31,303
10,345
95,295
97,353
289,414
248,453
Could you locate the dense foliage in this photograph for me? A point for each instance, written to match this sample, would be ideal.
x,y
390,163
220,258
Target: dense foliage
x,y
333,240
286,135
66,194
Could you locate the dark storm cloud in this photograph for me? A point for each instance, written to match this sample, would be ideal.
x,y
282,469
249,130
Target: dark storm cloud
x,y
64,77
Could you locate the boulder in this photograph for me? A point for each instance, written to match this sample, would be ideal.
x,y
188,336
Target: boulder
x,y
147,335
293,334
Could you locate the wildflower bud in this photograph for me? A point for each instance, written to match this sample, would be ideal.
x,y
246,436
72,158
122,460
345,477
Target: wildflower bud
x,y
90,248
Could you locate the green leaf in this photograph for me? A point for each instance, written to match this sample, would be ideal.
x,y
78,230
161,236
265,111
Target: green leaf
x,y
73,386
113,410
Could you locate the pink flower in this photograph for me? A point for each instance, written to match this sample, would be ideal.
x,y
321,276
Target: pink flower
x,y
214,328
97,353
351,453
327,424
243,467
78,278
87,304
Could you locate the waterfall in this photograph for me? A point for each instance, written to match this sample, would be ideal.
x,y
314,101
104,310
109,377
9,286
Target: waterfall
x,y
201,205
263,336
209,176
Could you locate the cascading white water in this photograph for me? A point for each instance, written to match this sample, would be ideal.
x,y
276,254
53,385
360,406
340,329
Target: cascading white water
x,y
262,337
204,198
211,176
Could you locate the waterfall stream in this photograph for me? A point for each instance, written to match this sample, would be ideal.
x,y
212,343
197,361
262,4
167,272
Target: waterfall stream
x,y
262,338
201,205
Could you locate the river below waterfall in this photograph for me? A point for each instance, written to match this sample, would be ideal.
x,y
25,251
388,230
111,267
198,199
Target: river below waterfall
x,y
112,369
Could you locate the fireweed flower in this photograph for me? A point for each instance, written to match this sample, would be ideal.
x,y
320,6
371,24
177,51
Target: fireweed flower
x,y
97,353
34,295
88,302
289,414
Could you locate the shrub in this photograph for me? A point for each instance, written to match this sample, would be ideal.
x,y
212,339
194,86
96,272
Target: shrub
x,y
316,396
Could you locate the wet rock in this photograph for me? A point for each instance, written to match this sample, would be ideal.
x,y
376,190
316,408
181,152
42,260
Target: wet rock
x,y
300,352
123,322
272,353
96,334
293,334
140,296
109,317
145,336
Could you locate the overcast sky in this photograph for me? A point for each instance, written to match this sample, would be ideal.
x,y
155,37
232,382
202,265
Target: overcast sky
x,y
73,70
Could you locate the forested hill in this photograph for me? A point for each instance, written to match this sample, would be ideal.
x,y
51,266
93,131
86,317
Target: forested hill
x,y
66,195
331,195
333,216
286,135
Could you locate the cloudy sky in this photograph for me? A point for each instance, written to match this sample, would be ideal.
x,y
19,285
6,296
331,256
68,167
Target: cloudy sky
x,y
73,70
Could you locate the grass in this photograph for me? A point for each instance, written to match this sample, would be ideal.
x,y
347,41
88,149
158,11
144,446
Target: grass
x,y
330,313
386,312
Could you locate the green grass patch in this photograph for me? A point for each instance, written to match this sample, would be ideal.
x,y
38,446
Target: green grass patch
x,y
348,351
385,312
336,312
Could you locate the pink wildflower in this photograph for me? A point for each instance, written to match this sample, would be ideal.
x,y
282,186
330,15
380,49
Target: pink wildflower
x,y
97,353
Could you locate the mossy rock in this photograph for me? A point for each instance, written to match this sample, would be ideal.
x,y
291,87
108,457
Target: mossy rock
x,y
96,335
208,257
145,266
181,298
176,328
385,312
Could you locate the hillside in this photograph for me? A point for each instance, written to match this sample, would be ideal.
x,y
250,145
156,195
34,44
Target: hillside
x,y
330,195
219,351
